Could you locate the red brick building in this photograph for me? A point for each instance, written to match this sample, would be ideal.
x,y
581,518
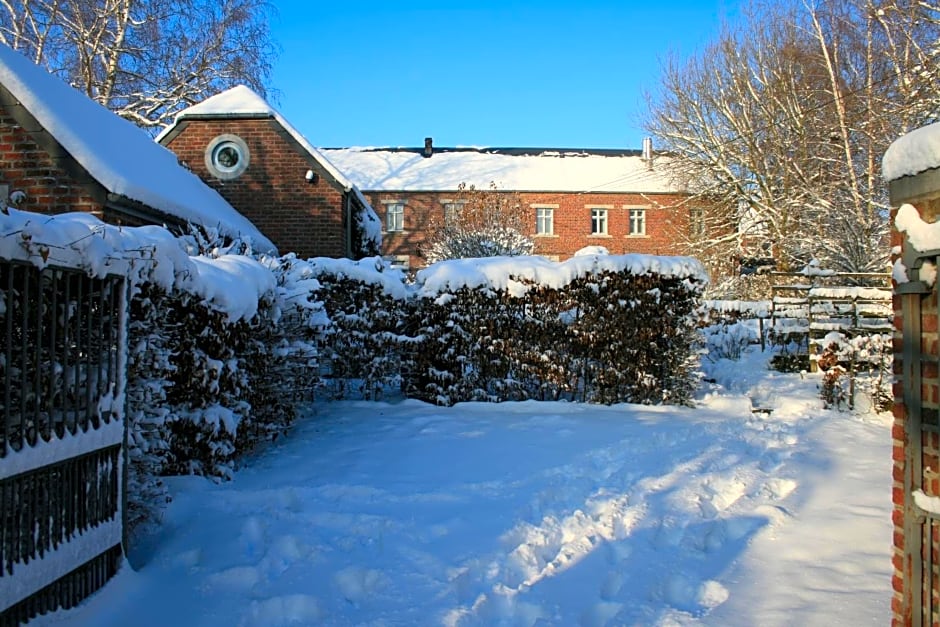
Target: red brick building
x,y
618,199
308,200
62,152
243,148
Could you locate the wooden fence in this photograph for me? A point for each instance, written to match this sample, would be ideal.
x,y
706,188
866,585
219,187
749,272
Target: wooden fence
x,y
807,308
62,371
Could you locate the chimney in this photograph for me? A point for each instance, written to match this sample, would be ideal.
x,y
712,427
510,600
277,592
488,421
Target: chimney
x,y
428,147
648,151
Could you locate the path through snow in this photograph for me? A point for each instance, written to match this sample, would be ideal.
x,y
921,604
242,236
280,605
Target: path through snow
x,y
535,514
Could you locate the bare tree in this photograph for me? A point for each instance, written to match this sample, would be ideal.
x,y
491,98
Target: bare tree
x,y
144,59
479,223
781,124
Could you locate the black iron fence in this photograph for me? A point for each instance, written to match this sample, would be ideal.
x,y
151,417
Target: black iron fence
x,y
61,436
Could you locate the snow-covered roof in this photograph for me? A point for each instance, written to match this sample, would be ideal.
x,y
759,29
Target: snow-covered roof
x,y
242,101
536,169
117,154
912,153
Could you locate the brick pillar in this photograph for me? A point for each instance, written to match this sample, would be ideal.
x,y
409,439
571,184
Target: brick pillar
x,y
915,451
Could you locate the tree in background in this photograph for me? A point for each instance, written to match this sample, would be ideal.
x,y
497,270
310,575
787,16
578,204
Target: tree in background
x,y
781,123
479,223
144,59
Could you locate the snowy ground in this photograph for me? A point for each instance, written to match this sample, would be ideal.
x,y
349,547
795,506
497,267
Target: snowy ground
x,y
535,514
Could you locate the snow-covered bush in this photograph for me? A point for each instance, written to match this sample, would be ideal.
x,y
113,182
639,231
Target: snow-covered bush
x,y
367,304
223,347
194,382
596,328
853,365
461,348
481,223
727,341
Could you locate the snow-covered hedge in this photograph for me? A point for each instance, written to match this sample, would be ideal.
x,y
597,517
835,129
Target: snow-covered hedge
x,y
366,304
595,328
224,346
220,347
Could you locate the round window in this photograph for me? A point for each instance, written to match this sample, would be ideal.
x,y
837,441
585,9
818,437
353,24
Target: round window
x,y
227,156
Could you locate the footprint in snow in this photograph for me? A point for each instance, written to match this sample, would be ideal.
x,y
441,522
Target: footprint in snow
x,y
292,609
252,538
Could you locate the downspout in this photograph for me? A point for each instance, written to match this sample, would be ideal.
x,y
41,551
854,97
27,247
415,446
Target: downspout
x,y
348,222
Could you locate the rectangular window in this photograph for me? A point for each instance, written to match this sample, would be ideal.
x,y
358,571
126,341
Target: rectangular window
x,y
395,216
638,222
598,222
544,221
452,212
696,222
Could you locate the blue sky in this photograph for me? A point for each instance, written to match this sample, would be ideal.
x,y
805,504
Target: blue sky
x,y
551,74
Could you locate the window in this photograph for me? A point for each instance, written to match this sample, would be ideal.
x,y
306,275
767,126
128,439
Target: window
x,y
544,220
452,212
637,221
598,222
394,216
696,222
227,156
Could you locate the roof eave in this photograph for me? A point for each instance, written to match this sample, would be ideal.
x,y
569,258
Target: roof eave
x,y
170,132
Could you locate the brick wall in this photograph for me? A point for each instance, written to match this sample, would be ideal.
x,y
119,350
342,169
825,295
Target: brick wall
x,y
898,455
572,222
27,167
297,215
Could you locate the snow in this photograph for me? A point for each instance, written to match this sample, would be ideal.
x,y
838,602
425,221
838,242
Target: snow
x,y
591,250
930,504
922,236
379,169
751,309
119,155
928,273
912,153
813,268
60,449
37,574
231,284
370,270
535,513
899,272
848,293
504,273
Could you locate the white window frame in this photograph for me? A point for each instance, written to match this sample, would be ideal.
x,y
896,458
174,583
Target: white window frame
x,y
545,220
600,221
394,216
451,209
636,221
